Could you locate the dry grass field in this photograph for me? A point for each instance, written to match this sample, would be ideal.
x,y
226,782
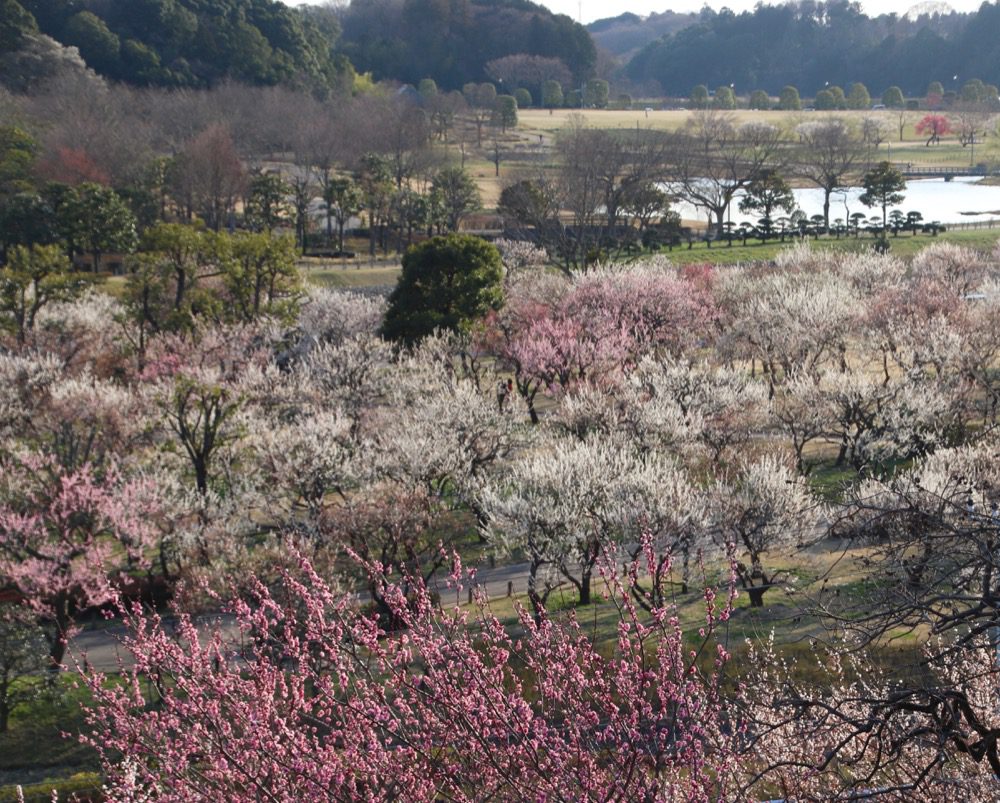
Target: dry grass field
x,y
532,122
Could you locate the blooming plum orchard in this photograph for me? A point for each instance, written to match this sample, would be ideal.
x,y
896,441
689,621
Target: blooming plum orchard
x,y
329,316
875,421
871,735
790,322
221,455
724,406
554,334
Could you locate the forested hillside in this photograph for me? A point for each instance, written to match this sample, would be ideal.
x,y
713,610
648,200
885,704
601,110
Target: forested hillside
x,y
186,43
197,43
623,36
811,44
452,42
512,43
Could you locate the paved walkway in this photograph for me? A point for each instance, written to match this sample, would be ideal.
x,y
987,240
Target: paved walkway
x,y
101,648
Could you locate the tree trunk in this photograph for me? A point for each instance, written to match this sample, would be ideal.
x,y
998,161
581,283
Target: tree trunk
x,y
201,474
533,596
842,455
756,594
57,645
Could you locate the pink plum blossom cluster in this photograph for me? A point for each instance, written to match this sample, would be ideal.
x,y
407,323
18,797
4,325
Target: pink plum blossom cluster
x,y
313,699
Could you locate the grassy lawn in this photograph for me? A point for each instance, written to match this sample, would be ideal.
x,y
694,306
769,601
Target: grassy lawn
x,y
384,273
35,751
824,572
904,246
350,274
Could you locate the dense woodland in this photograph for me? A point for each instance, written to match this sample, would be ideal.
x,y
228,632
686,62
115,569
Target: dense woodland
x,y
811,44
187,43
408,40
168,43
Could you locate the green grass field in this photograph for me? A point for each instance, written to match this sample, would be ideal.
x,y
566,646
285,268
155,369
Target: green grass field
x,y
351,275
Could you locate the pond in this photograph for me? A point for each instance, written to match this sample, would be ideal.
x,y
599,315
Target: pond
x,y
962,200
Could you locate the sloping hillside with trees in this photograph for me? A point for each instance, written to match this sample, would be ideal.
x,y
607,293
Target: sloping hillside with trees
x,y
623,36
453,42
187,43
812,44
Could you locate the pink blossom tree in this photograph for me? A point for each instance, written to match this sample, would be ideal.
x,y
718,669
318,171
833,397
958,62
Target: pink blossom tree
x,y
64,535
313,700
553,334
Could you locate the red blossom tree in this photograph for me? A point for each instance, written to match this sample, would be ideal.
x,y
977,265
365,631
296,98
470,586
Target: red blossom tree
x,y
934,126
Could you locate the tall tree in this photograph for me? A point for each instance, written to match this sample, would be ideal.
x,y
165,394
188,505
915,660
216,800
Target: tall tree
x,y
99,221
504,112
765,193
481,99
260,278
858,97
208,175
759,100
33,277
375,179
716,159
884,186
342,199
456,194
893,98
595,94
552,95
788,99
267,205
830,152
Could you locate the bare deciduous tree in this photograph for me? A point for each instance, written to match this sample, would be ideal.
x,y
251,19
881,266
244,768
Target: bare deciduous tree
x,y
717,158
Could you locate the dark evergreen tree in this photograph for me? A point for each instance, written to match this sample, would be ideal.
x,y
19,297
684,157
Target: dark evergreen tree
x,y
447,283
